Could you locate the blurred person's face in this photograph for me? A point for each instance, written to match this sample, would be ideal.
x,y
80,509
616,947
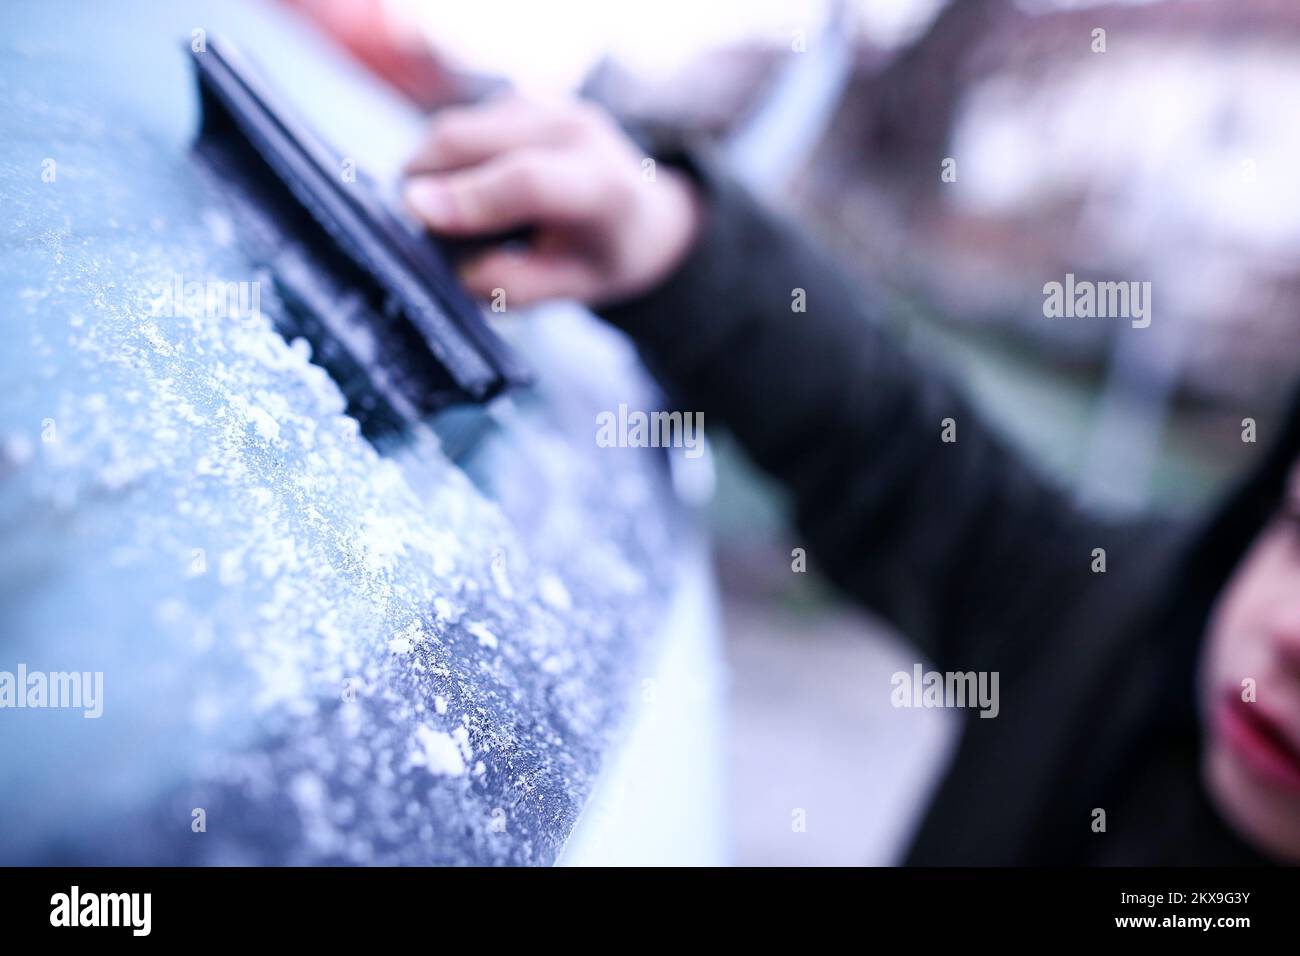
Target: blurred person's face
x,y
1250,688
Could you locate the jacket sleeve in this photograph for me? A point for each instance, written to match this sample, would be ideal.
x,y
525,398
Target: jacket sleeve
x,y
960,544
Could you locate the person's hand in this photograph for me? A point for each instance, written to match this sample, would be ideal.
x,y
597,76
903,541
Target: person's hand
x,y
607,223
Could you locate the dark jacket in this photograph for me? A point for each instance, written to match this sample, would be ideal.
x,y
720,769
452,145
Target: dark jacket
x,y
969,551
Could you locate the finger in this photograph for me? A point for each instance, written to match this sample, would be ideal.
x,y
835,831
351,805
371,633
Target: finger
x,y
520,188
521,278
466,136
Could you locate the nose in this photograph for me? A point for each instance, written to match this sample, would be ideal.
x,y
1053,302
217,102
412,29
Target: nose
x,y
1285,631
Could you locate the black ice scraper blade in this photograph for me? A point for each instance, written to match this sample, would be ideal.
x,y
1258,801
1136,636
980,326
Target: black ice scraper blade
x,y
378,299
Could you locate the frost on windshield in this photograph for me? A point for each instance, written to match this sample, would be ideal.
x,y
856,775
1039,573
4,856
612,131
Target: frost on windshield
x,y
311,652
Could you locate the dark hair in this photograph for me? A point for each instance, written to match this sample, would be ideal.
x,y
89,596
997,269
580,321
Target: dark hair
x,y
1210,556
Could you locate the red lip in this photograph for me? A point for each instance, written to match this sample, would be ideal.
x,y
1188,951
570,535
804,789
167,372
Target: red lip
x,y
1259,742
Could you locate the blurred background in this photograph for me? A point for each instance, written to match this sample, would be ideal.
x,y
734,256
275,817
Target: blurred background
x,y
1147,141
